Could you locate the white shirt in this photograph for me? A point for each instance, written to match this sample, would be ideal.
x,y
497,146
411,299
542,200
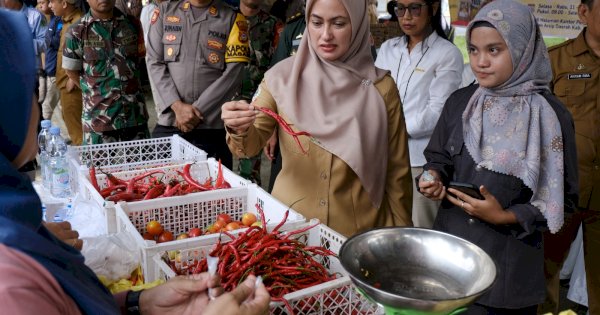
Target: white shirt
x,y
425,78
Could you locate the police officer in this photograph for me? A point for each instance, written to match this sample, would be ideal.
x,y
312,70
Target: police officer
x,y
264,31
197,50
102,53
576,72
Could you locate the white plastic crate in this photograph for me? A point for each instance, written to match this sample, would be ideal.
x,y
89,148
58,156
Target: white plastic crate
x,y
130,155
199,171
333,297
179,215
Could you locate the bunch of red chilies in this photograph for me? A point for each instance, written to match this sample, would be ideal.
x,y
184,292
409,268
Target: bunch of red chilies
x,y
285,264
140,188
286,127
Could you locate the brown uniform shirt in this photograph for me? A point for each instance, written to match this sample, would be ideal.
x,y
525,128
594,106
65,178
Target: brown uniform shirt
x,y
321,185
196,59
576,71
68,20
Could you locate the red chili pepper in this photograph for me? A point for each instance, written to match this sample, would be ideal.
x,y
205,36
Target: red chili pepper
x,y
131,183
93,178
110,189
285,126
172,191
188,178
124,196
221,183
155,192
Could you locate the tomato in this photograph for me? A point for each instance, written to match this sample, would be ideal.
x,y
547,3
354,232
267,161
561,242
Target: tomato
x,y
248,219
182,236
219,225
212,229
224,217
154,228
165,236
195,232
232,226
148,236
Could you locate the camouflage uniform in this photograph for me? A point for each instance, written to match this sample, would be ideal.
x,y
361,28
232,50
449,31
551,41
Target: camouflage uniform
x,y
264,30
107,52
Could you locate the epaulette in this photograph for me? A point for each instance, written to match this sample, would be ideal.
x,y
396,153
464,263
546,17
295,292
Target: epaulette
x,y
565,43
294,17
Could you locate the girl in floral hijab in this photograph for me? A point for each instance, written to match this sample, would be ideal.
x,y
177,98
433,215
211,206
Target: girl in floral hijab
x,y
512,139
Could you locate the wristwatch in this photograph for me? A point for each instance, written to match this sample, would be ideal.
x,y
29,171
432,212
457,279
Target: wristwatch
x,y
132,302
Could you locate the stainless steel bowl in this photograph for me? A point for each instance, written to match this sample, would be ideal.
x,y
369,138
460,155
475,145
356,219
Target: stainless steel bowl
x,y
415,269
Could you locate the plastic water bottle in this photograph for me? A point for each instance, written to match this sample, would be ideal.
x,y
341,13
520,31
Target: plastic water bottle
x,y
43,138
63,214
59,167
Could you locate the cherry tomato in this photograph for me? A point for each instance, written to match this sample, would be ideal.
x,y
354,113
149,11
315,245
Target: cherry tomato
x,y
183,236
212,229
224,217
148,236
154,228
195,232
219,225
232,226
248,218
165,236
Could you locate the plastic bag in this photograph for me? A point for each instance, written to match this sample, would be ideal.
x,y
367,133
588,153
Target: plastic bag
x,y
113,256
86,218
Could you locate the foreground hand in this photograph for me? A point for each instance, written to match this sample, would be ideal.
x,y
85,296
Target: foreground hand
x,y
238,115
181,295
246,299
63,231
433,190
488,210
269,148
187,117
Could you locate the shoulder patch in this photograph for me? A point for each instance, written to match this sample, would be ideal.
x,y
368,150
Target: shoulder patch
x,y
237,42
155,15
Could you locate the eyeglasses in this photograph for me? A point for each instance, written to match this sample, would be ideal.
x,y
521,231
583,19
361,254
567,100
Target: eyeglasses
x,y
414,8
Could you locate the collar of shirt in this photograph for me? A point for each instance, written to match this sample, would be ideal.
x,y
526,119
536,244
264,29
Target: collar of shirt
x,y
89,18
72,15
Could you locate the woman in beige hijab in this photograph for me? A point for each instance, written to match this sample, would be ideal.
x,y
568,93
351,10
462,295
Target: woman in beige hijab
x,y
353,172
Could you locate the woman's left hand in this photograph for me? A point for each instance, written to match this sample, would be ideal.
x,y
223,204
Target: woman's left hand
x,y
488,209
181,295
64,232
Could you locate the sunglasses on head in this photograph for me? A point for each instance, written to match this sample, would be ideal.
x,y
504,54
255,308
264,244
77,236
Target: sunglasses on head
x,y
414,8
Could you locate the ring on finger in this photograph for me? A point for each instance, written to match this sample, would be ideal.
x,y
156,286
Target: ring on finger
x,y
462,204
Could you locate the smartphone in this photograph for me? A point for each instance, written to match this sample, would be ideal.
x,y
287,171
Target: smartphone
x,y
467,188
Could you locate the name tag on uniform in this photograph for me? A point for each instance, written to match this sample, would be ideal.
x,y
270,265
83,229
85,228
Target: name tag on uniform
x,y
576,76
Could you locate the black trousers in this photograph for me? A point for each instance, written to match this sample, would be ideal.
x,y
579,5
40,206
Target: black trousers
x,y
212,141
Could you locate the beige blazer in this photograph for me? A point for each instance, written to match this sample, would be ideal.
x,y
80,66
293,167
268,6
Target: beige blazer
x,y
321,185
